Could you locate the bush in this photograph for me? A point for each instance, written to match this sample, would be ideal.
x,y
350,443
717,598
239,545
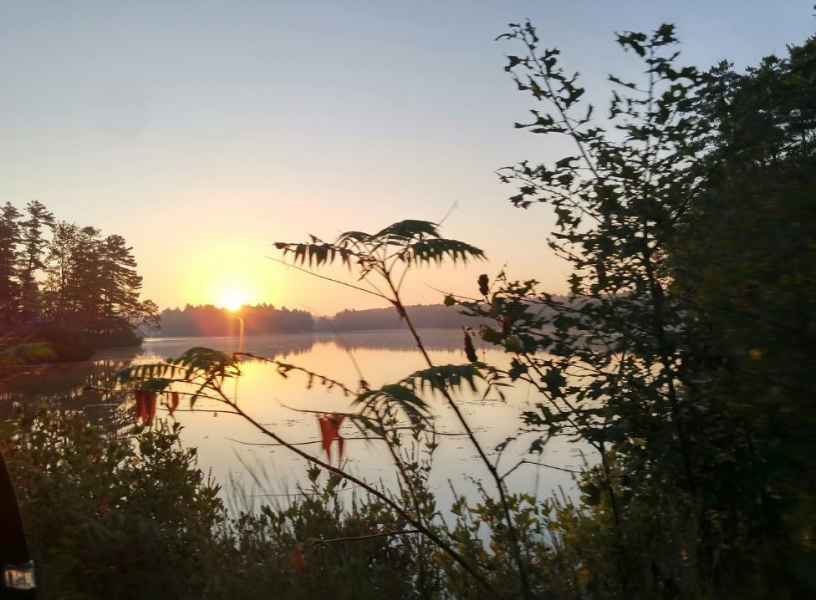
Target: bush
x,y
113,511
109,515
119,512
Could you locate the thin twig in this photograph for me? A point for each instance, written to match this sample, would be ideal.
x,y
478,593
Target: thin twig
x,y
540,464
323,412
332,279
288,366
309,443
360,538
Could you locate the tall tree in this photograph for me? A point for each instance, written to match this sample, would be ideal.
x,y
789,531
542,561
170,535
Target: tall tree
x,y
684,352
9,284
85,285
57,301
747,265
120,286
93,281
34,244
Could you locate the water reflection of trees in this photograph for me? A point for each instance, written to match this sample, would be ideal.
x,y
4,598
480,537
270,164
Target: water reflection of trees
x,y
70,386
399,339
268,345
284,345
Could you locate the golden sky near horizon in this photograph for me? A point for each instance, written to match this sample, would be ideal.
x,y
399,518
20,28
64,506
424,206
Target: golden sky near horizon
x,y
204,136
230,272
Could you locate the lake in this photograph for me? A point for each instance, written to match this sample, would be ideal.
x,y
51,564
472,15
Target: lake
x,y
227,445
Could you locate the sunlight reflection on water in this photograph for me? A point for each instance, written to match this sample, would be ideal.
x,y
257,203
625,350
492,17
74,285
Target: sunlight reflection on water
x,y
382,357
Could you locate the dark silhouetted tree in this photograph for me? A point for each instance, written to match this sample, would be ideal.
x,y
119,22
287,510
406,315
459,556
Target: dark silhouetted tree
x,y
34,245
9,283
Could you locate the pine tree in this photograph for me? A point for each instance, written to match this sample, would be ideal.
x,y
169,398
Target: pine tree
x,y
119,282
93,282
30,258
9,284
56,299
84,291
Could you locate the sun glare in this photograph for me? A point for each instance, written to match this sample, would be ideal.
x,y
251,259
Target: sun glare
x,y
233,299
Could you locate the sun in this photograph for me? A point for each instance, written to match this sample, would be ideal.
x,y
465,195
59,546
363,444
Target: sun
x,y
233,299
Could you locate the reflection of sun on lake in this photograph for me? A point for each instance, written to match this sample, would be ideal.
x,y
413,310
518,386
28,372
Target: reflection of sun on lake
x,y
226,443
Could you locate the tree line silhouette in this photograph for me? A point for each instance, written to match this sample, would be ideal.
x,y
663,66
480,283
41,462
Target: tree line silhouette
x,y
210,320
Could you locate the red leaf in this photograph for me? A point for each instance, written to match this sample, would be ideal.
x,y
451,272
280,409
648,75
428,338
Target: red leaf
x,y
141,406
297,560
145,406
325,435
330,431
150,407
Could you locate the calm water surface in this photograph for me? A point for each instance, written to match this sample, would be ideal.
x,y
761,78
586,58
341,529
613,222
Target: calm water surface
x,y
227,445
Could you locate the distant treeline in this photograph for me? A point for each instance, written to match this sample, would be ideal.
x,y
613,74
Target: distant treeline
x,y
209,320
70,287
427,316
436,316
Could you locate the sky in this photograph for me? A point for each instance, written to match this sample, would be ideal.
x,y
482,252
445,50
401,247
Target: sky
x,y
203,132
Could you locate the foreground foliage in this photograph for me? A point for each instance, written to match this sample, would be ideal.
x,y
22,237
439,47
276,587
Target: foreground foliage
x,y
113,511
682,355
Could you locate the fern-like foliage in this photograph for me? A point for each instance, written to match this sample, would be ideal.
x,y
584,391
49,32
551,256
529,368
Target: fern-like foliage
x,y
312,378
203,367
316,252
411,242
405,395
427,251
195,363
446,377
208,361
408,229
392,398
